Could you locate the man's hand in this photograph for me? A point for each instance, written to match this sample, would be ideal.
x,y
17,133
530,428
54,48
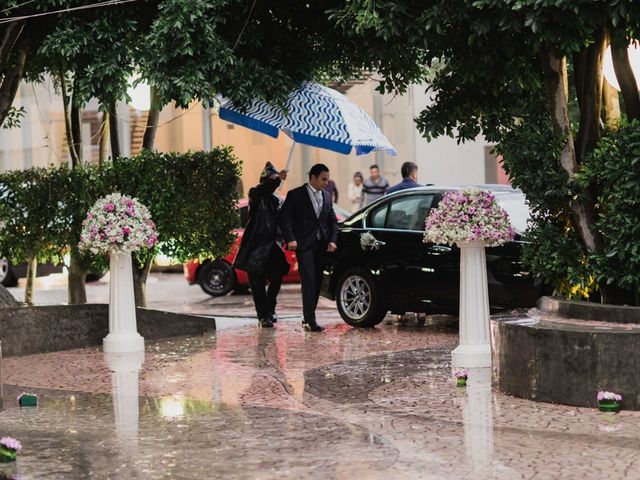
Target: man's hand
x,y
332,247
283,175
292,245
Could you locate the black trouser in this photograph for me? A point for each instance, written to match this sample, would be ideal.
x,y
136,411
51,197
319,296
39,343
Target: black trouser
x,y
265,298
311,263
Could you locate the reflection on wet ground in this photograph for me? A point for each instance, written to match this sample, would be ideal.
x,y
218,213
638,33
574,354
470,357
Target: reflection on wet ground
x,y
346,404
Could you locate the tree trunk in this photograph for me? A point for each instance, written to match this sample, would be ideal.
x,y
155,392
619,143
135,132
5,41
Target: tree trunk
x,y
149,139
625,76
76,125
77,280
140,276
104,138
66,106
555,68
32,266
11,41
611,106
591,98
113,131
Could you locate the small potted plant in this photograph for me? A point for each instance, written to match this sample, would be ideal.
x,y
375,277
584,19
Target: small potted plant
x,y
461,377
9,448
27,399
609,401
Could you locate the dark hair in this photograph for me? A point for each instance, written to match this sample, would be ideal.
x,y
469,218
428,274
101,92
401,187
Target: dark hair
x,y
358,174
317,169
408,168
374,166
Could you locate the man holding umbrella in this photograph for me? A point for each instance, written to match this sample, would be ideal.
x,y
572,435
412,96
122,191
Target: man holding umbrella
x,y
310,227
260,253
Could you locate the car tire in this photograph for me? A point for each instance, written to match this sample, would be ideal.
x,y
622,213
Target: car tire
x,y
95,276
217,278
7,276
358,299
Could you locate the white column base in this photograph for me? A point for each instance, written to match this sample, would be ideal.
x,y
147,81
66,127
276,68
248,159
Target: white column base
x,y
471,356
474,349
123,332
123,343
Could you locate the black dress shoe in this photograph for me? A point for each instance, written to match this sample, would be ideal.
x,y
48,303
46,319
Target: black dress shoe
x,y
265,322
311,326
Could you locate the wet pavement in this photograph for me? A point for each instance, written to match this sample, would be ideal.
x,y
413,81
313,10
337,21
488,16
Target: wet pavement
x,y
246,403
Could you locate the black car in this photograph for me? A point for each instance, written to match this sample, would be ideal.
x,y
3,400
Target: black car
x,y
11,272
382,263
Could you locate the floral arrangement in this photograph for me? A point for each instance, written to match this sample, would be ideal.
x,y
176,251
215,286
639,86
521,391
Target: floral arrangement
x,y
468,216
117,224
609,401
369,242
27,399
9,448
461,377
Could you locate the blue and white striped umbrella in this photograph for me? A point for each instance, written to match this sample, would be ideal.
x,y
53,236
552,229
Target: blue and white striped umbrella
x,y
317,116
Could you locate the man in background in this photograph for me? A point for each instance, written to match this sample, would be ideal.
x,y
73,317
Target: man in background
x,y
409,171
373,187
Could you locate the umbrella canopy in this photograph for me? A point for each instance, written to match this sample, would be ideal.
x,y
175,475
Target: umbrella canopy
x,y
313,115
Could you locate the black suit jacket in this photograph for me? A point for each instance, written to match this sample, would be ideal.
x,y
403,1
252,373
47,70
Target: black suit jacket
x,y
299,222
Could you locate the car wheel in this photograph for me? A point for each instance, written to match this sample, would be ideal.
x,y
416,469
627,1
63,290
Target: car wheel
x,y
95,276
358,299
7,277
217,278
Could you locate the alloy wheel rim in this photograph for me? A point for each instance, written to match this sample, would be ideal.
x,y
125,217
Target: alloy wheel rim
x,y
355,297
217,280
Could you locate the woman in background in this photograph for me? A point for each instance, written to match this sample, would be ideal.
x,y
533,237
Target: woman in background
x,y
355,191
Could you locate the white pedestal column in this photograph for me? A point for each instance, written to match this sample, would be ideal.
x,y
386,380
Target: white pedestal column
x,y
125,368
123,332
478,421
474,350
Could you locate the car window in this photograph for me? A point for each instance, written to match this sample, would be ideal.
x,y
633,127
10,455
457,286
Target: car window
x,y
409,213
377,217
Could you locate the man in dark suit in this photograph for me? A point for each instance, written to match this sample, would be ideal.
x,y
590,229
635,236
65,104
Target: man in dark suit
x,y
309,227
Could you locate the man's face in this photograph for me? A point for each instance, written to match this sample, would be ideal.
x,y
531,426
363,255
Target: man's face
x,y
414,175
375,173
320,182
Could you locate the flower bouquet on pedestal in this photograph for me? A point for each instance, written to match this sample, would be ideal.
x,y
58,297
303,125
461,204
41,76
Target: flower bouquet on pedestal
x,y
461,377
119,225
468,216
9,448
473,220
609,402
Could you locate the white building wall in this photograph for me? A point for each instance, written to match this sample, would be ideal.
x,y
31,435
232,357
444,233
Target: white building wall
x,y
443,160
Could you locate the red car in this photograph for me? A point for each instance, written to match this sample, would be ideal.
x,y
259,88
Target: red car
x,y
218,277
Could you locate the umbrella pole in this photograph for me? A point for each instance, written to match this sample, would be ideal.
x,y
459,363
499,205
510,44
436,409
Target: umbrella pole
x,y
288,165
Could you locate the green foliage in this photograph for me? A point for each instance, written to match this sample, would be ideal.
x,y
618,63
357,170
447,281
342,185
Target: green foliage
x,y
613,171
13,118
31,226
191,197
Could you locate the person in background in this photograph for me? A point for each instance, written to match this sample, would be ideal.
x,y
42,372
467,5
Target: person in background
x,y
409,171
309,227
374,187
332,188
355,191
260,253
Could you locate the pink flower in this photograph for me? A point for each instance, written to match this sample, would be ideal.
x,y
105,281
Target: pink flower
x,y
11,443
109,207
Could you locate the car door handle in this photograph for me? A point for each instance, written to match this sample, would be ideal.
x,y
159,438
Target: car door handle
x,y
440,248
369,242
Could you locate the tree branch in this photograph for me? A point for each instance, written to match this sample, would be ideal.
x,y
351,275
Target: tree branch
x,y
148,141
624,74
10,83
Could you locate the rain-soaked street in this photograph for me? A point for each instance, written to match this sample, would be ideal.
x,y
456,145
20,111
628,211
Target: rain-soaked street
x,y
246,403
